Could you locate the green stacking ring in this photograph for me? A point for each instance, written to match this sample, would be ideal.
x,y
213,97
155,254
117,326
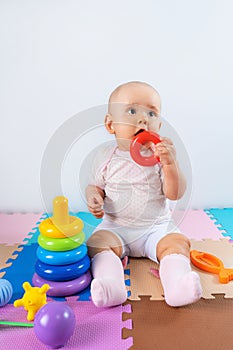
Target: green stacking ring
x,y
61,244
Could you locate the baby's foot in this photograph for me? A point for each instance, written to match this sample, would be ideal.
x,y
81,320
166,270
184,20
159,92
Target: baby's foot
x,y
186,290
181,285
106,292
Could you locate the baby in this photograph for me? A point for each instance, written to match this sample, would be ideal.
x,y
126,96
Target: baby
x,y
132,200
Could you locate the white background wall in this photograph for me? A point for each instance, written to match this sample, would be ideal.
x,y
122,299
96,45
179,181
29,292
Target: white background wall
x,y
60,57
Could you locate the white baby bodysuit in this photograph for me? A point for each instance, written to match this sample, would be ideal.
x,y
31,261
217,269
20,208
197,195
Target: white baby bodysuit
x,y
134,195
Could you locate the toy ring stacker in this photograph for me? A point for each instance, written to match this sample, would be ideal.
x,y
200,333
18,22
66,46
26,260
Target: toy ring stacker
x,y
140,139
211,263
61,224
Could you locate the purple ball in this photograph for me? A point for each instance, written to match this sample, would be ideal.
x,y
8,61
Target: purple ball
x,y
54,324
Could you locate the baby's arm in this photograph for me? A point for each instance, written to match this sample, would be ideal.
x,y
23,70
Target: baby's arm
x,y
174,184
95,200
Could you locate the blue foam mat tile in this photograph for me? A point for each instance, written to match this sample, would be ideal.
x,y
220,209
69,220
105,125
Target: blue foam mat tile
x,y
127,283
89,218
90,222
34,234
127,272
20,270
57,298
223,219
84,295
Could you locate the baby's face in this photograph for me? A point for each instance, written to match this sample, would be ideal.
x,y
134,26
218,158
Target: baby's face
x,y
133,108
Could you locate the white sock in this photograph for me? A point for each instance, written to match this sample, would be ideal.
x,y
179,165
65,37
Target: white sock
x,y
181,285
108,286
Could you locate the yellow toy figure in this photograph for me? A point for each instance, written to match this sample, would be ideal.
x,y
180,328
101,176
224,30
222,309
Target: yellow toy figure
x,y
33,299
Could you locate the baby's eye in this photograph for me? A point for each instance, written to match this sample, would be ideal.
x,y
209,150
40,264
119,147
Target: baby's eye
x,y
132,111
152,114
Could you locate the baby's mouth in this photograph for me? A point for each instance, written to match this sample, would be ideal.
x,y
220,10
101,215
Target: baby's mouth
x,y
139,132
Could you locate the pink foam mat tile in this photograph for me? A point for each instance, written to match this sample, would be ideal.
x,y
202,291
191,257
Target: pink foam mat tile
x,y
196,224
14,228
96,328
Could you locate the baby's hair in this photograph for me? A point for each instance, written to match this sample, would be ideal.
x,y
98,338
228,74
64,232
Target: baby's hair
x,y
133,83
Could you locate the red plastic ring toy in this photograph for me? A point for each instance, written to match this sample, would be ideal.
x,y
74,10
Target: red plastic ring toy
x,y
135,146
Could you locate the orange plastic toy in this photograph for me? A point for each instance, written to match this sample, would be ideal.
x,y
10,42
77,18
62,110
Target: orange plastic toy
x,y
135,146
210,263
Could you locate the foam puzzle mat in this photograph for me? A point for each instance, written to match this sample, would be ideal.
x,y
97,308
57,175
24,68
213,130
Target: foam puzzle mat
x,y
223,249
143,283
143,321
195,224
6,252
223,219
204,325
18,228
96,328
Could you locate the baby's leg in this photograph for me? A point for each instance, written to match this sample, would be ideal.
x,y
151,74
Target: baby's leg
x,y
181,285
108,286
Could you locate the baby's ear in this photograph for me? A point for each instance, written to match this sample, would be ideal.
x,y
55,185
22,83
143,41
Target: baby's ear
x,y
109,124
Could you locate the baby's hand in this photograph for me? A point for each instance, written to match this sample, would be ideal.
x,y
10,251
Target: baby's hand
x,y
165,150
95,204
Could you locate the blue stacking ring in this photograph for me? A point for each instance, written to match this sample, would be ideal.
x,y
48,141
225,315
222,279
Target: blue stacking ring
x,y
61,258
63,272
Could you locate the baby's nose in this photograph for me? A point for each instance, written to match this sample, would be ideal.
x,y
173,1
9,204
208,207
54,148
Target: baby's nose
x,y
143,119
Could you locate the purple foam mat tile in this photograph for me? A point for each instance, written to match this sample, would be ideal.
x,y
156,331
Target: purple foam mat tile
x,y
99,328
12,338
96,328
12,314
19,338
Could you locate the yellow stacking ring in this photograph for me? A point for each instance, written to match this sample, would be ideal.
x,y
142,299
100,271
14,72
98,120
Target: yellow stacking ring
x,y
50,229
61,244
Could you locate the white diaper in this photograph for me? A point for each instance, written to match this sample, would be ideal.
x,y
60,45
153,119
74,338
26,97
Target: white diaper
x,y
142,241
